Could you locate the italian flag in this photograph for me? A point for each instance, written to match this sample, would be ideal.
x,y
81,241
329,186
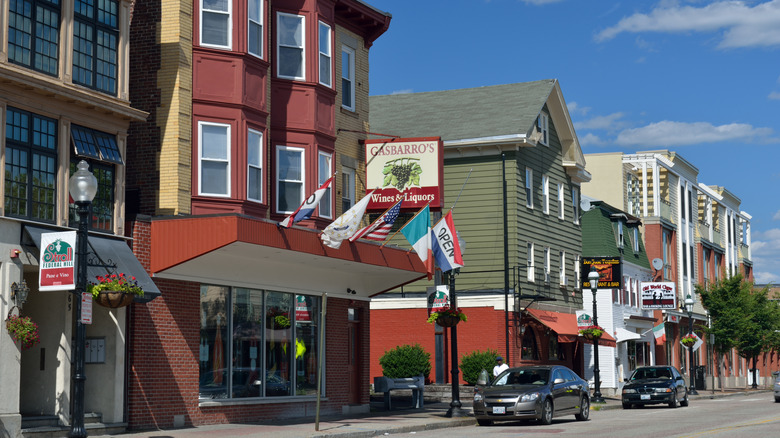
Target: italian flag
x,y
660,334
418,232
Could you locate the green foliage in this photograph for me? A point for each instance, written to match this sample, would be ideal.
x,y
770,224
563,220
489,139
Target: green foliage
x,y
406,361
23,329
117,283
473,363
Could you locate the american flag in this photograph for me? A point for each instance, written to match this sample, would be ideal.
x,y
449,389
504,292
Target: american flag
x,y
380,228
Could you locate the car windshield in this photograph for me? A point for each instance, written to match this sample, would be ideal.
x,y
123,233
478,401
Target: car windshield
x,y
536,377
651,373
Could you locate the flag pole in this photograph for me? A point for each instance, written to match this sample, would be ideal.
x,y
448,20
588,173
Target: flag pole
x,y
461,189
399,230
375,220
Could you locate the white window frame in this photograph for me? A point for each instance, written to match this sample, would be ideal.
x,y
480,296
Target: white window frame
x,y
530,262
561,202
225,160
546,194
325,57
258,166
575,202
302,47
529,187
347,189
577,271
302,181
258,22
562,273
327,197
621,239
351,78
636,240
229,13
546,264
543,124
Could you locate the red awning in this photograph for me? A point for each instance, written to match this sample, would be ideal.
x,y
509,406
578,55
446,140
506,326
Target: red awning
x,y
565,325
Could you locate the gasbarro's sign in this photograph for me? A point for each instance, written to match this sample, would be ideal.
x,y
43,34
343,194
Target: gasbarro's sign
x,y
404,168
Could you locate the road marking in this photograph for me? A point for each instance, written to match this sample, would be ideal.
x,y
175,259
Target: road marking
x,y
730,428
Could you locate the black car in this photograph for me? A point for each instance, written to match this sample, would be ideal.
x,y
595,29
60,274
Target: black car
x,y
659,384
532,392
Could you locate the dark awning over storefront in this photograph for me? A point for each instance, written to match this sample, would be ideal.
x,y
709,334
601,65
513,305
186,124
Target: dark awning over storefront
x,y
107,252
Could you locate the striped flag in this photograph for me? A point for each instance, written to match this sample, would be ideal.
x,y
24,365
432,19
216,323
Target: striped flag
x,y
380,228
418,232
446,245
660,334
308,206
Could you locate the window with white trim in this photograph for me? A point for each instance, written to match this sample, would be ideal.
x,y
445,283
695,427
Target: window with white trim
x,y
213,159
562,265
530,261
561,202
326,59
290,47
348,78
575,202
543,126
254,167
529,187
347,188
290,178
254,33
324,171
547,264
636,239
577,271
216,23
546,194
621,239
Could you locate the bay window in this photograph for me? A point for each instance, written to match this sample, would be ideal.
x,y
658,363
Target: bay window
x,y
213,159
289,178
290,46
255,27
326,77
215,20
324,172
254,168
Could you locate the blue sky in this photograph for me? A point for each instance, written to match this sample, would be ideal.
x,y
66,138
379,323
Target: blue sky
x,y
701,78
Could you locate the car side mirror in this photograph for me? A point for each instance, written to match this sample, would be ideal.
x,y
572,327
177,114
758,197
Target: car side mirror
x,y
481,382
557,381
482,379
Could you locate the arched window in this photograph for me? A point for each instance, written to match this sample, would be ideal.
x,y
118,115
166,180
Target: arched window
x,y
529,350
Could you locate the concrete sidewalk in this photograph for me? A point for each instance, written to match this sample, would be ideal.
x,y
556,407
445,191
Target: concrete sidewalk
x,y
376,423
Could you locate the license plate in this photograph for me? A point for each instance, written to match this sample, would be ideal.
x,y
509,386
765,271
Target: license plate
x,y
645,397
499,410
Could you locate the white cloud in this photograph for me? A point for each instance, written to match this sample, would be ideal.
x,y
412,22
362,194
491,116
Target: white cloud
x,y
574,107
540,2
590,140
765,251
741,25
668,133
776,217
775,95
608,122
406,91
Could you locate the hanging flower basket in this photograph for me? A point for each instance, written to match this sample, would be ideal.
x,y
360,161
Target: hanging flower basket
x,y
688,340
277,319
592,332
23,329
115,290
447,317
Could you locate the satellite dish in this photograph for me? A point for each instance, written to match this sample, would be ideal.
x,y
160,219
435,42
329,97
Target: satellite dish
x,y
658,264
585,204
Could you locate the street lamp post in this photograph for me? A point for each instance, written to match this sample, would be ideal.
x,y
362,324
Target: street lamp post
x,y
83,188
689,309
593,277
455,409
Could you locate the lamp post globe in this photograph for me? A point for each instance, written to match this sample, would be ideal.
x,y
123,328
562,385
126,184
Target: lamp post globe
x,y
83,188
593,278
689,309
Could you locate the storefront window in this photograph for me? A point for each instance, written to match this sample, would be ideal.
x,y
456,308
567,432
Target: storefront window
x,y
273,340
529,350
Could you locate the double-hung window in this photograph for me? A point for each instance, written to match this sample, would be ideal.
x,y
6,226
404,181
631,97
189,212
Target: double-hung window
x,y
289,178
255,27
577,271
561,202
348,78
562,264
530,262
323,173
547,264
347,188
95,42
621,238
575,203
326,59
30,165
529,187
214,159
290,38
635,241
546,194
543,126
254,168
215,23
33,34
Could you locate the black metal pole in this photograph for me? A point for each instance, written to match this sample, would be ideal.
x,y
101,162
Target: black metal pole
x,y
77,429
597,398
506,261
692,390
455,409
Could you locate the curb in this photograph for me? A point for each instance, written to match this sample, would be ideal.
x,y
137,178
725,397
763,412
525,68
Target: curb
x,y
616,403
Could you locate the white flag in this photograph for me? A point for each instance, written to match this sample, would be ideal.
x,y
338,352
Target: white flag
x,y
345,225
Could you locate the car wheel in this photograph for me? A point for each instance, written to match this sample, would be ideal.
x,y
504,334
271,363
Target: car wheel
x,y
584,412
684,401
673,404
777,399
484,422
547,412
626,405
